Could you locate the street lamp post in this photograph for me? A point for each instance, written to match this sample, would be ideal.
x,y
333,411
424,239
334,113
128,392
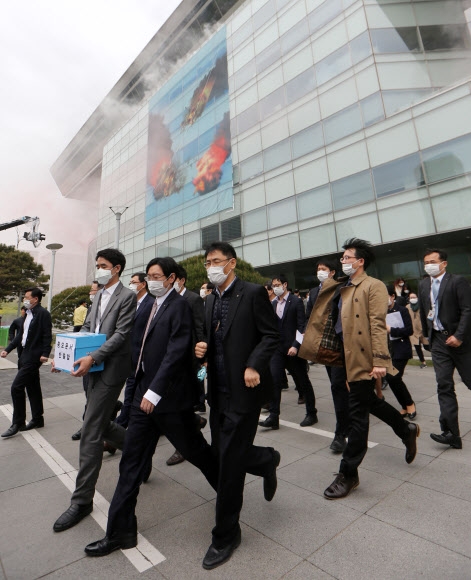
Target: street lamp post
x,y
118,213
53,248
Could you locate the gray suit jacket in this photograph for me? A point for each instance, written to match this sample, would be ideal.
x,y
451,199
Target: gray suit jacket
x,y
116,323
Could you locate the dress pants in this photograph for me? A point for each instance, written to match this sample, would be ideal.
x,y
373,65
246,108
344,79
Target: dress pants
x,y
143,430
398,387
298,369
27,379
445,360
363,401
96,428
123,417
338,386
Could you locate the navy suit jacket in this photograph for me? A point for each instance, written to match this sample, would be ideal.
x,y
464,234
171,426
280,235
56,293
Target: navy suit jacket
x,y
294,319
167,358
139,325
401,347
454,307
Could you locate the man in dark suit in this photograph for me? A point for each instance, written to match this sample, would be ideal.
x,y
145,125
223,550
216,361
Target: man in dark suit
x,y
35,338
242,337
145,301
289,310
112,314
163,405
15,328
445,313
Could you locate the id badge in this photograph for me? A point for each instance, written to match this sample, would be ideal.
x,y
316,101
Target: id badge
x,y
431,314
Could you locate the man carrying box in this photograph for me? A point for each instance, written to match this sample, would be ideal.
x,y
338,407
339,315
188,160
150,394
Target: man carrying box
x,y
112,314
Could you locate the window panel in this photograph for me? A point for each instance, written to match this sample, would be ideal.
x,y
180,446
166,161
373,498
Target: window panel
x,y
344,123
445,37
399,222
272,103
282,213
372,109
445,209
325,13
255,221
399,175
268,56
285,248
257,254
447,159
367,224
264,14
395,100
308,140
300,85
352,190
317,241
247,118
333,65
231,229
192,241
209,234
276,155
244,75
389,40
251,167
360,47
241,34
314,202
294,36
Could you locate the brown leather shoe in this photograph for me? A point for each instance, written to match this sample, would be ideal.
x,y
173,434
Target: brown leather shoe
x,y
411,441
107,447
175,459
341,486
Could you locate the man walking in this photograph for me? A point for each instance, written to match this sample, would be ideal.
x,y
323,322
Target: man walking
x,y
445,312
112,314
35,338
361,325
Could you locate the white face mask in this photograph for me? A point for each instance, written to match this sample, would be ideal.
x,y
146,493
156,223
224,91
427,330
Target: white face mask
x,y
203,293
157,288
279,290
103,276
433,269
177,287
414,300
92,297
348,269
27,304
390,302
401,284
322,275
134,288
216,274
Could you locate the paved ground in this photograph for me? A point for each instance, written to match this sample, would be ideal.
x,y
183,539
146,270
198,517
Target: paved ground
x,y
403,522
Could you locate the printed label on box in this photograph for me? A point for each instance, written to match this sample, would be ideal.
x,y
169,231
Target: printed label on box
x,y
65,353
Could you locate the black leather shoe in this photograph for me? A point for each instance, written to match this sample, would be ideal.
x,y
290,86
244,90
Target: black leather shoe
x,y
309,420
413,415
107,545
301,400
270,422
13,430
175,459
33,424
446,438
270,482
72,516
411,441
338,444
341,486
215,557
116,410
200,408
76,436
201,422
107,447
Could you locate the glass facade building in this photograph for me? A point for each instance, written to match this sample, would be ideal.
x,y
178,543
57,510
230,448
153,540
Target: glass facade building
x,y
291,126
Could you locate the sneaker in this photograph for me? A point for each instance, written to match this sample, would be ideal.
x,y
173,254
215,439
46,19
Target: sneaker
x,y
423,365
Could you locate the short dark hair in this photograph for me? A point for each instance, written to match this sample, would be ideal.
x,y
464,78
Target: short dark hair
x,y
210,286
330,263
114,256
182,273
391,290
141,277
35,293
23,308
223,247
441,253
168,266
363,249
268,285
281,277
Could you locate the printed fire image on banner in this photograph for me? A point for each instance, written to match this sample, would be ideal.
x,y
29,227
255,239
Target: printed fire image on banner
x,y
189,165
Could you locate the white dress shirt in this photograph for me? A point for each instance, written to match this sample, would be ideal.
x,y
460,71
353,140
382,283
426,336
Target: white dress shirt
x,y
27,322
280,304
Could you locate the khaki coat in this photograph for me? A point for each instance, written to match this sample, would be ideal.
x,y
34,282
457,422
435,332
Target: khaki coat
x,y
418,336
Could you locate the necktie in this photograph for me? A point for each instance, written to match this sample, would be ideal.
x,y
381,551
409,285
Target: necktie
x,y
146,332
435,291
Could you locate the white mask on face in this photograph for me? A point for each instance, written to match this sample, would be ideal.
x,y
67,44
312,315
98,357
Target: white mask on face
x,y
322,275
414,300
433,269
216,274
401,284
348,269
390,302
27,304
279,290
103,276
177,287
203,293
157,288
134,288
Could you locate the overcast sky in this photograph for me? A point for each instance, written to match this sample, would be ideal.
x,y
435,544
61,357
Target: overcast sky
x,y
59,60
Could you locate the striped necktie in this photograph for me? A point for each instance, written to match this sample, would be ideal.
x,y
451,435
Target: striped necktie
x,y
146,332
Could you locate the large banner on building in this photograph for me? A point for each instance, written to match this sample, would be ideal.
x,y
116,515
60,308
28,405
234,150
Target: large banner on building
x,y
189,164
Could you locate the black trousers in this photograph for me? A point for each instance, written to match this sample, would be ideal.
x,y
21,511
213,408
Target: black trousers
x,y
129,390
398,386
364,401
445,360
298,369
420,352
232,436
27,379
180,429
338,387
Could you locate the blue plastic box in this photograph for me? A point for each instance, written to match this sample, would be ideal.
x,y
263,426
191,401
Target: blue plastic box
x,y
71,346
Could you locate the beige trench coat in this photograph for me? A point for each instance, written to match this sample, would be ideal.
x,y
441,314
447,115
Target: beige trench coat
x,y
417,337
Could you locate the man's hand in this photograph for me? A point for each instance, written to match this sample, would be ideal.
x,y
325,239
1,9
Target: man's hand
x,y
85,364
4,353
293,351
251,377
388,328
53,367
147,406
44,359
453,341
378,372
200,349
